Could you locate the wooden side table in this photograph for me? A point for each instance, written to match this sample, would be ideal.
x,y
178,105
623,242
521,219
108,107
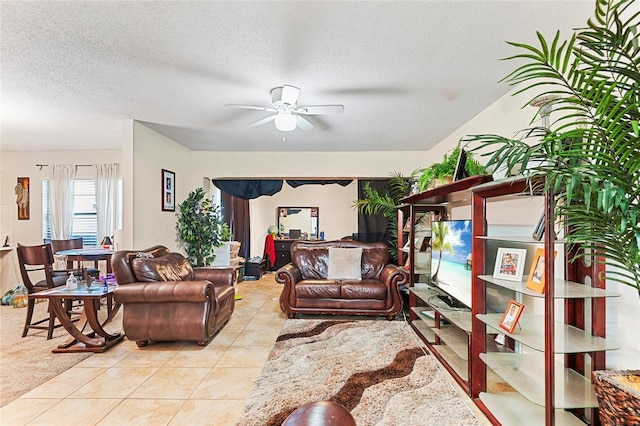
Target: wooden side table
x,y
96,340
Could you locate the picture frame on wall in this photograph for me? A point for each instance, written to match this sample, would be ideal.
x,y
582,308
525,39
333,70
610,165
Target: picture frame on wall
x,y
535,281
510,264
511,316
22,198
168,191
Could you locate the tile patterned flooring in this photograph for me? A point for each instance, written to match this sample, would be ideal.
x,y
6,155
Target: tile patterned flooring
x,y
174,383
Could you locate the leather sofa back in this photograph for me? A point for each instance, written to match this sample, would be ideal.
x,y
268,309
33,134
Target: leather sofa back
x,y
312,257
121,262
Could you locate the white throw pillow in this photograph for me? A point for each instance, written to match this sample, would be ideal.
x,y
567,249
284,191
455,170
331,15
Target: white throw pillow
x,y
344,263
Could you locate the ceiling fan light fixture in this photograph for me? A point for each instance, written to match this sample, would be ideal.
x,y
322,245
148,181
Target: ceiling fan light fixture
x,y
286,122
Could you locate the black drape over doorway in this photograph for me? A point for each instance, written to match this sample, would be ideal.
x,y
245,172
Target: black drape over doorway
x,y
235,212
372,228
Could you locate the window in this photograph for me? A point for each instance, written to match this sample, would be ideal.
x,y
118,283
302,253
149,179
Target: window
x,y
85,218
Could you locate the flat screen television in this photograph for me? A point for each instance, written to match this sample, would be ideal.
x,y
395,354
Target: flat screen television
x,y
451,259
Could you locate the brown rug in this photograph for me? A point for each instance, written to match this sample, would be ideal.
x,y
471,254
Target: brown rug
x,y
27,362
378,370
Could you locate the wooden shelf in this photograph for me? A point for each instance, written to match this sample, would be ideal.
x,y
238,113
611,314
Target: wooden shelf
x,y
525,372
562,289
511,409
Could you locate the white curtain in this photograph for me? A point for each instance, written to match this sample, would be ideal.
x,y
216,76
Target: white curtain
x,y
107,178
61,192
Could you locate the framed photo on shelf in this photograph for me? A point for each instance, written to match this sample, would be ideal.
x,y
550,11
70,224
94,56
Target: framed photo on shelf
x,y
168,191
535,281
511,316
510,264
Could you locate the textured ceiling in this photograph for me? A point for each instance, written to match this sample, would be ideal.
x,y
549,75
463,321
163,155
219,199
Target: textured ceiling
x,y
408,73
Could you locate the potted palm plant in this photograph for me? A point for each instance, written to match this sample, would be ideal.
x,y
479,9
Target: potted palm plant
x,y
200,228
442,172
385,204
589,156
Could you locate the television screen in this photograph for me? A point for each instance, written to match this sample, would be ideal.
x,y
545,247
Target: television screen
x,y
451,258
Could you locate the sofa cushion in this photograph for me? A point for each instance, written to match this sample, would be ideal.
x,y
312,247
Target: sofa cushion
x,y
317,289
172,267
312,262
364,289
344,263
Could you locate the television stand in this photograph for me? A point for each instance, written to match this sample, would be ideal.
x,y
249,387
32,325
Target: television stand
x,y
452,301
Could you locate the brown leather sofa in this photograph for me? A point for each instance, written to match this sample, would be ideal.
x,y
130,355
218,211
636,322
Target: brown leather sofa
x,y
164,299
307,290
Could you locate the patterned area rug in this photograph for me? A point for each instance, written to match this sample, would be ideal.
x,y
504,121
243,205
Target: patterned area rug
x,y
378,370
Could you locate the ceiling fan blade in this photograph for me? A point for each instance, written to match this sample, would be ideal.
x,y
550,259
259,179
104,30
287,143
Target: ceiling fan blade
x,y
289,95
259,108
263,121
304,124
320,109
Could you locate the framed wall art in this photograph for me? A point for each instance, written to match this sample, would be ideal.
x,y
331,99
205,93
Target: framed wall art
x,y
22,198
510,264
168,191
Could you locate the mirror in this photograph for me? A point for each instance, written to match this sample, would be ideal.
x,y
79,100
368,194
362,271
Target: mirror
x,y
302,220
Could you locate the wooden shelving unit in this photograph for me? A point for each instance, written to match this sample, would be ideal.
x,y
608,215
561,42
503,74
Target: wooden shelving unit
x,y
547,360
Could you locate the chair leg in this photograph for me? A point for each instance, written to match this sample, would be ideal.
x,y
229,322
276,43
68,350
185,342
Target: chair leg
x,y
30,305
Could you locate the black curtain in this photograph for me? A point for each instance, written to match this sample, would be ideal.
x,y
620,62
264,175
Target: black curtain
x,y
248,189
372,228
297,183
235,212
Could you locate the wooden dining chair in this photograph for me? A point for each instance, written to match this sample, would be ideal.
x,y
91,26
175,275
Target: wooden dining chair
x,y
36,261
70,244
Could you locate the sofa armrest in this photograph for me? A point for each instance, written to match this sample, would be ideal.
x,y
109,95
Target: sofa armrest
x,y
393,276
163,292
218,276
288,275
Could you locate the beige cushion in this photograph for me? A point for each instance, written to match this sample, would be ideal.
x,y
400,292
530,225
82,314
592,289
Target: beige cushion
x,y
172,267
344,263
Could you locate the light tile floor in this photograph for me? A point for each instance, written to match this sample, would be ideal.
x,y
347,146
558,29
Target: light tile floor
x,y
176,383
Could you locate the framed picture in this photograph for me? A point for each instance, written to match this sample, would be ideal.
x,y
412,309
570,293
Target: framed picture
x,y
22,197
535,281
511,316
168,191
510,264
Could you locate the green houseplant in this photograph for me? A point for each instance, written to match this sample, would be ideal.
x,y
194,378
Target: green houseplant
x,y
589,157
200,228
385,204
442,172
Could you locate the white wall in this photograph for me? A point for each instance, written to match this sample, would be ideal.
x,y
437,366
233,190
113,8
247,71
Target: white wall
x,y
153,152
29,232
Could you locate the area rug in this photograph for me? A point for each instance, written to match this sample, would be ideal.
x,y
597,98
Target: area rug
x,y
27,362
378,370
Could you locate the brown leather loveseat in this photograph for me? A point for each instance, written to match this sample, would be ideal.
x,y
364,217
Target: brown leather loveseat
x,y
313,284
164,299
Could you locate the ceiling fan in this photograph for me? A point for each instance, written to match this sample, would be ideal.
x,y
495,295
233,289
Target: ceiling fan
x,y
288,115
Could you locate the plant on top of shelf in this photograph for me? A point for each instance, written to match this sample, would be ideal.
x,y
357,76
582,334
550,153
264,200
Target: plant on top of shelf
x,y
442,172
200,228
589,156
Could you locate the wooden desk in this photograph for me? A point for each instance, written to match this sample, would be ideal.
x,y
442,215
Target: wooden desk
x,y
89,254
97,340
